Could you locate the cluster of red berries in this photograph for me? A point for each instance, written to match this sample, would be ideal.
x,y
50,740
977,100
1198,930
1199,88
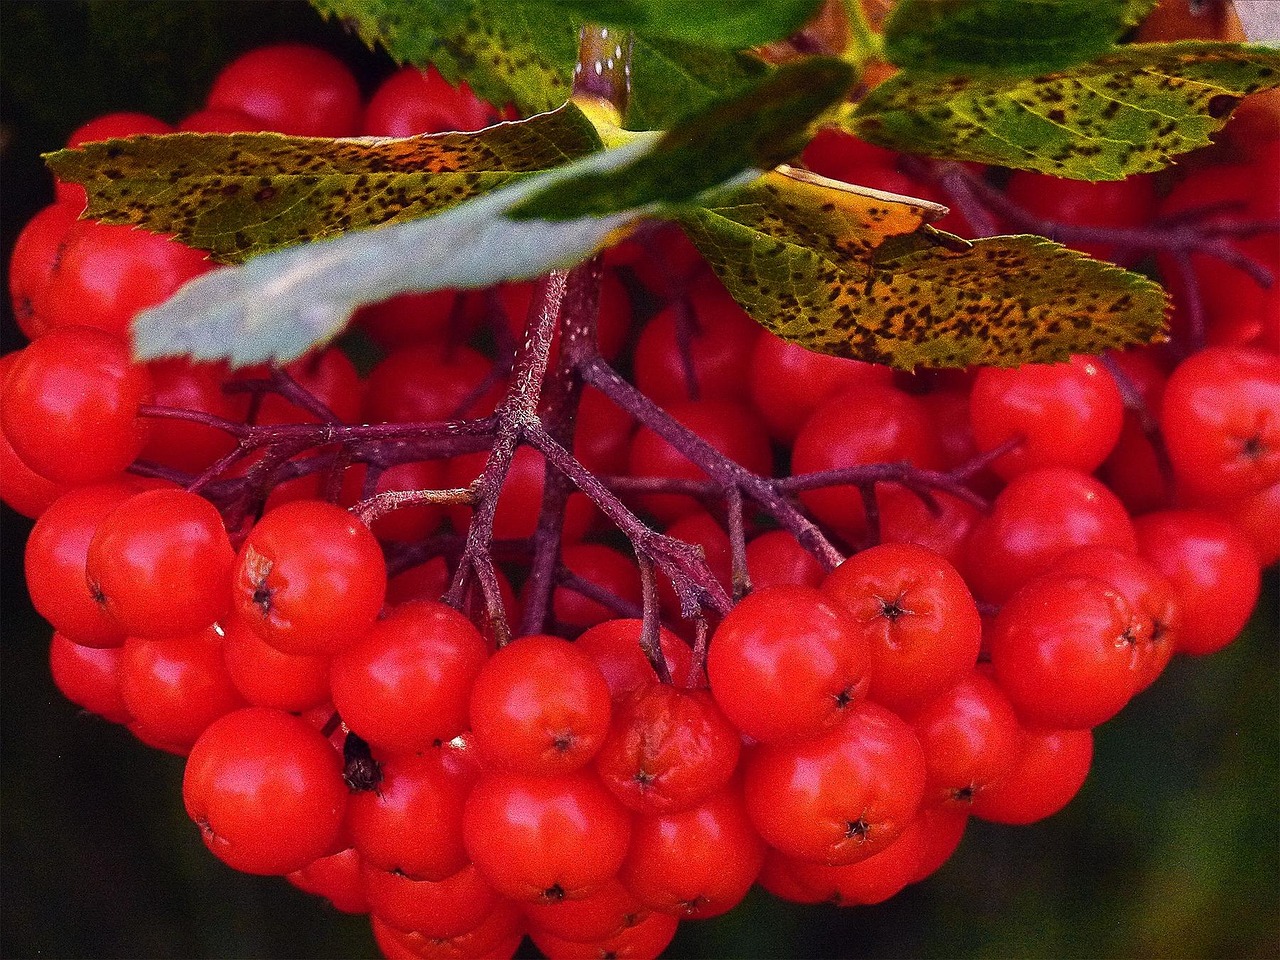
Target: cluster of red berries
x,y
348,730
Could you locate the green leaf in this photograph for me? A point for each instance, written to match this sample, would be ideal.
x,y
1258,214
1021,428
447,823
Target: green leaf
x,y
670,80
522,52
244,194
752,131
1127,112
280,305
726,24
509,52
854,274
996,36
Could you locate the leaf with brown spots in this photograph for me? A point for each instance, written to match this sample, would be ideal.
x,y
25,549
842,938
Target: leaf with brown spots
x,y
243,194
523,52
861,276
1129,111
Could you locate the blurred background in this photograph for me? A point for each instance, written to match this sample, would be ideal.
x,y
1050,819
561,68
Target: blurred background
x,y
1172,849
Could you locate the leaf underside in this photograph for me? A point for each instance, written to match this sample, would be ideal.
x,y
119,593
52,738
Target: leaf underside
x,y
1127,112
670,80
244,194
866,280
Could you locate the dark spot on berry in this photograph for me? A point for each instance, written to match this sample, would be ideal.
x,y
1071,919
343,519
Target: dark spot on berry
x,y
892,609
562,742
963,794
553,893
359,769
844,698
95,591
857,830
1253,448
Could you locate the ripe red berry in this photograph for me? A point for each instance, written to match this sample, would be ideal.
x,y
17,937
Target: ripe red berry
x,y
539,706
266,791
667,750
291,88
309,578
161,562
410,822
698,862
1050,770
787,663
413,101
542,839
916,617
89,677
407,682
1221,421
1062,414
841,797
75,389
1065,650
175,687
1213,569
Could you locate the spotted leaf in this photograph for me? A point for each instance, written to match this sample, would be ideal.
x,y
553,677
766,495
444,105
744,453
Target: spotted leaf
x,y
243,194
859,274
1127,112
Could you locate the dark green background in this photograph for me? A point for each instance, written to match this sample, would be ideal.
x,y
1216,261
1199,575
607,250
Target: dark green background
x,y
1172,848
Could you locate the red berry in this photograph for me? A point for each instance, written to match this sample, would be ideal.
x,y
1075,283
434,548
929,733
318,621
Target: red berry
x,y
291,88
542,839
841,797
309,578
787,663
76,389
266,791
916,616
407,682
539,706
161,562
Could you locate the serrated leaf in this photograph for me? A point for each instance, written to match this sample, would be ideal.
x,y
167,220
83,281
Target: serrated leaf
x,y
870,283
280,305
509,52
726,24
1127,112
755,129
996,36
240,195
670,80
522,52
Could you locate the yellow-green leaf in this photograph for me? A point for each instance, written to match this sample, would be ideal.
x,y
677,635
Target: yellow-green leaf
x,y
239,195
860,276
1129,111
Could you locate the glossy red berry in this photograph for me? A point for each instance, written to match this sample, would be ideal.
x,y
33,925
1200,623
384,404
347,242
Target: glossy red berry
x,y
161,562
266,791
1061,414
539,706
407,682
76,389
916,617
542,839
291,88
841,797
787,663
1221,421
309,578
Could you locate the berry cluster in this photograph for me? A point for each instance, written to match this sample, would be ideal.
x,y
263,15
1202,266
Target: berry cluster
x,y
247,567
